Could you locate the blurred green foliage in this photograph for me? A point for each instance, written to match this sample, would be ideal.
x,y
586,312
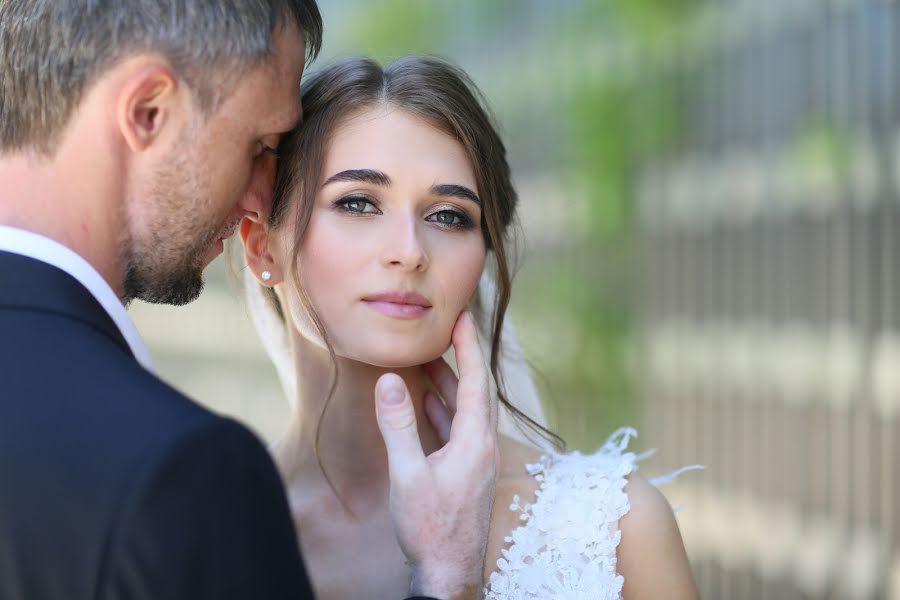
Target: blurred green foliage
x,y
822,151
648,21
392,28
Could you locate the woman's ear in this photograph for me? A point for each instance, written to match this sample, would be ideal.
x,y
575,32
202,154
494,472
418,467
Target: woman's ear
x,y
255,237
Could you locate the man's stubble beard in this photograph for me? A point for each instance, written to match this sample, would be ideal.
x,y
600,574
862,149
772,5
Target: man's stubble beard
x,y
164,258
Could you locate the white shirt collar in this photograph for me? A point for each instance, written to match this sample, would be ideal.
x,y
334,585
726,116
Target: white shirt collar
x,y
38,247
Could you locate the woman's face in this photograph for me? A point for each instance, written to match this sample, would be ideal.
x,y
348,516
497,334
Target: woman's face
x,y
394,248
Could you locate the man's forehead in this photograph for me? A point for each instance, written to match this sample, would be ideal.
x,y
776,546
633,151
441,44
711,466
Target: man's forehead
x,y
290,104
290,56
294,117
289,50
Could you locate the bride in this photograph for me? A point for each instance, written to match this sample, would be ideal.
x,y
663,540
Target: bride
x,y
392,199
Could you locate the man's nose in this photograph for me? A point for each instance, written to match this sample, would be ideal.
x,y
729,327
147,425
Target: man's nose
x,y
256,203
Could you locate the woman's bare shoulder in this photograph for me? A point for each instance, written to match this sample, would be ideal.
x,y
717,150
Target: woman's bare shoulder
x,y
514,456
651,554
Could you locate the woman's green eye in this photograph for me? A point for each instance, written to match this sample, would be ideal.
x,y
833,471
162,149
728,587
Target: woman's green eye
x,y
450,218
357,205
445,217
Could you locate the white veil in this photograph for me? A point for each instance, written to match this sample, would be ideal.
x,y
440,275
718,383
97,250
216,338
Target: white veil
x,y
520,387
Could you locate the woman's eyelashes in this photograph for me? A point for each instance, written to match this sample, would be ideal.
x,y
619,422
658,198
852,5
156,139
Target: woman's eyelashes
x,y
359,205
450,218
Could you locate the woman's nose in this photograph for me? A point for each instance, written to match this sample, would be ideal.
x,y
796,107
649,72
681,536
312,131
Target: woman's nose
x,y
404,247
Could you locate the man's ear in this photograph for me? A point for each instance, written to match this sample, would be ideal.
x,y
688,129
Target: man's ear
x,y
255,237
146,103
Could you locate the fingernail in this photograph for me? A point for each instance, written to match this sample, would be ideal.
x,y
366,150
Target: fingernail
x,y
392,396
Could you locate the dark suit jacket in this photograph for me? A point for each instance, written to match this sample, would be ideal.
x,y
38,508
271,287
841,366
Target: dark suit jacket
x,y
112,484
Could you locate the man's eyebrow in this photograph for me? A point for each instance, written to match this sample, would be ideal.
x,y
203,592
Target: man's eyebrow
x,y
360,175
455,191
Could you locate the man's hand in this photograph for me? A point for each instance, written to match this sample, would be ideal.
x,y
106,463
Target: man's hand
x,y
441,504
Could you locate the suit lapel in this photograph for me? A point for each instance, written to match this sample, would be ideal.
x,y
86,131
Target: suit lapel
x,y
28,284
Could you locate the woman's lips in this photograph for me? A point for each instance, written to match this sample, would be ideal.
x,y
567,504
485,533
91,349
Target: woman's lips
x,y
398,304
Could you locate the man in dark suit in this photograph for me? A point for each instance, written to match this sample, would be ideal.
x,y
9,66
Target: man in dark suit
x,y
134,136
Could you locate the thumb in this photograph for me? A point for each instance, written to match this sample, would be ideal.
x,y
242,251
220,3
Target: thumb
x,y
397,422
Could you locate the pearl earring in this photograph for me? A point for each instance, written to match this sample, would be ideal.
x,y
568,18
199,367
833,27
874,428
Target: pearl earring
x,y
266,276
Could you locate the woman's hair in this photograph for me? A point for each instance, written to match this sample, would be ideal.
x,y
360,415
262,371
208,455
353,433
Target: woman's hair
x,y
441,95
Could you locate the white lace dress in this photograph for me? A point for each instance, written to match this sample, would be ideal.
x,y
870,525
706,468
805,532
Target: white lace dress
x,y
566,547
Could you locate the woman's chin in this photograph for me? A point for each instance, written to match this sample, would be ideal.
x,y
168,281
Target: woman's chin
x,y
392,359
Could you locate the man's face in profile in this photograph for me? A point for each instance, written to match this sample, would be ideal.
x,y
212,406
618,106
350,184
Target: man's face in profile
x,y
193,201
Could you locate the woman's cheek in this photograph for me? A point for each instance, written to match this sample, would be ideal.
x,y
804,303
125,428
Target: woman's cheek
x,y
328,250
469,265
323,274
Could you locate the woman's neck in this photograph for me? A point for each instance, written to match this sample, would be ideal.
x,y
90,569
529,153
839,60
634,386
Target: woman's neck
x,y
350,445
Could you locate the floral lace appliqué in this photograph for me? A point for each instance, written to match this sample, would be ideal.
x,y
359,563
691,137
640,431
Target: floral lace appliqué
x,y
566,547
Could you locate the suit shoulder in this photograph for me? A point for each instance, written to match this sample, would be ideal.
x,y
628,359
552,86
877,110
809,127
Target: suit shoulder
x,y
210,510
203,468
218,437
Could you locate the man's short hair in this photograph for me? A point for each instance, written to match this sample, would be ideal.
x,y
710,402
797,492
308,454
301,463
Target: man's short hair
x,y
51,51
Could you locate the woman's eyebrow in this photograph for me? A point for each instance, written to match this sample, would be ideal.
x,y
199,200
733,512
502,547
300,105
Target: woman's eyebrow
x,y
374,177
455,191
360,175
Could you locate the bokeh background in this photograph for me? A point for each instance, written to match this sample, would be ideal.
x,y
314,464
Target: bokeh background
x,y
710,213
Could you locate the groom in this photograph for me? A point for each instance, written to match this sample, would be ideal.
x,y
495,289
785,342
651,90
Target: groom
x,y
134,136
